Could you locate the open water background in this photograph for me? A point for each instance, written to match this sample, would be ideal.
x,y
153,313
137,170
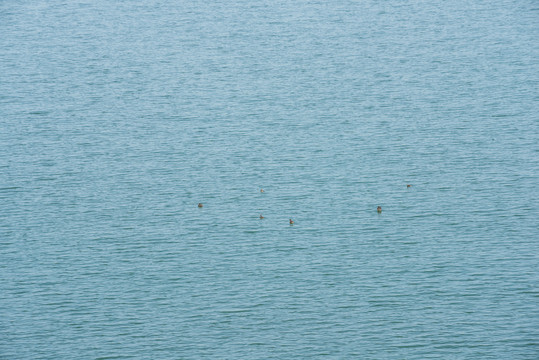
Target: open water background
x,y
118,118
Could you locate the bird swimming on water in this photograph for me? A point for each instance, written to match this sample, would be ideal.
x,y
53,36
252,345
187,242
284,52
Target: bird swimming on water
x,y
200,205
408,186
379,209
261,190
261,217
291,222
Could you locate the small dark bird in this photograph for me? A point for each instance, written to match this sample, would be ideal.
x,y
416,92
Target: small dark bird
x,y
291,222
379,209
261,217
200,205
408,186
261,190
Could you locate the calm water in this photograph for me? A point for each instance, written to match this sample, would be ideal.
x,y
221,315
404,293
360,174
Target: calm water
x,y
118,118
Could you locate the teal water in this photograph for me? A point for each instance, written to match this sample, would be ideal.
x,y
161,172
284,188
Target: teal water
x,y
118,118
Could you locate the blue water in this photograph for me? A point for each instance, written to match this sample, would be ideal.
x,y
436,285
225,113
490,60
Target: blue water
x,y
118,118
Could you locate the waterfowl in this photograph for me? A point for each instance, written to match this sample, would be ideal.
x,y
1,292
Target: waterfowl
x,y
261,217
379,209
291,222
261,190
200,205
408,186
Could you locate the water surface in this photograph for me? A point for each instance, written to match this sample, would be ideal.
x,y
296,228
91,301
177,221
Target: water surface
x,y
117,119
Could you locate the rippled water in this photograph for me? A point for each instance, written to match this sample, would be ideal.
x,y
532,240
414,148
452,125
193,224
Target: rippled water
x,y
118,118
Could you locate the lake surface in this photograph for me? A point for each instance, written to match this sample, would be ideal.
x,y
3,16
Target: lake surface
x,y
118,118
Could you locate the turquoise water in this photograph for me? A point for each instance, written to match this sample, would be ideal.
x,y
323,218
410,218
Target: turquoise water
x,y
118,118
